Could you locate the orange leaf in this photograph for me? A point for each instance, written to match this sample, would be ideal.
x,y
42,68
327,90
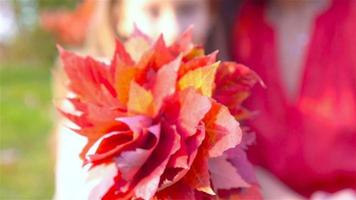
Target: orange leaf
x,y
223,131
194,53
140,100
124,75
197,62
198,176
201,79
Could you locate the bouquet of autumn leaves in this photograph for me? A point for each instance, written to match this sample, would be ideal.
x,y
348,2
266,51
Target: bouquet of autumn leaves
x,y
160,121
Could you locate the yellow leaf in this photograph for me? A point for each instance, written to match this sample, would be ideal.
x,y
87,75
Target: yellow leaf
x,y
206,189
140,100
195,52
201,79
124,75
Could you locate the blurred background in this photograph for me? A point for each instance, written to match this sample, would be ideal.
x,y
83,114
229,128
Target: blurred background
x,y
27,54
304,51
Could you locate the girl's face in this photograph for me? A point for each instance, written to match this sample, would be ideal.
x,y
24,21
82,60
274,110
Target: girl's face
x,y
169,17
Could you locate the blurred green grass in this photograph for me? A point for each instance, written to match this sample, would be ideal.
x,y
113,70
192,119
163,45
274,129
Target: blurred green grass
x,y
26,109
26,167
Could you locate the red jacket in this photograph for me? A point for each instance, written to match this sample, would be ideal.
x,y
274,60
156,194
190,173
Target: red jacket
x,y
309,144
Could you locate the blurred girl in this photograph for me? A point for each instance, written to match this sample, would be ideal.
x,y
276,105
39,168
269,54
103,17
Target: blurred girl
x,y
305,51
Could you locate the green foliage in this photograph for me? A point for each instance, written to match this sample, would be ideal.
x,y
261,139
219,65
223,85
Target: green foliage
x,y
36,47
33,45
26,162
26,109
25,127
50,4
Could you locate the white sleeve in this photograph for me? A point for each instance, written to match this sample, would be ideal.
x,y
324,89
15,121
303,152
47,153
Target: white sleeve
x,y
69,174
